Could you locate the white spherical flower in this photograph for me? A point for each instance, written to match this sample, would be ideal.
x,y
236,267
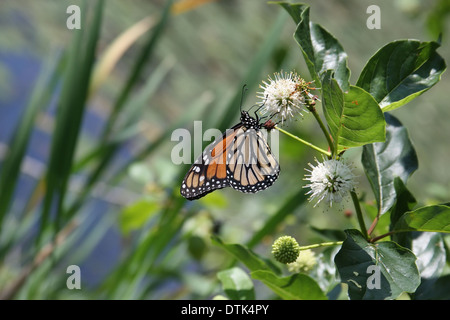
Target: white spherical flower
x,y
330,180
305,262
285,96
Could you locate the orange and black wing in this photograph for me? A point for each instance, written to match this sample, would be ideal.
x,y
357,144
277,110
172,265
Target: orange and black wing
x,y
209,171
251,165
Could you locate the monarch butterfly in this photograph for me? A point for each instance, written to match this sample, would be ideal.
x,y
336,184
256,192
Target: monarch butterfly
x,y
240,159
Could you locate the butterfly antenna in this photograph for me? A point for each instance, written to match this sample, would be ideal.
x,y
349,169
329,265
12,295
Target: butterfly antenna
x,y
244,88
273,115
259,107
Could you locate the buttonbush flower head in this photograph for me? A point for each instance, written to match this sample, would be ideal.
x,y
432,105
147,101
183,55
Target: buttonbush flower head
x,y
304,263
285,96
330,180
285,249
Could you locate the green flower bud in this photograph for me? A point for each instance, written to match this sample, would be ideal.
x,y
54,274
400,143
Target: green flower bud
x,y
285,249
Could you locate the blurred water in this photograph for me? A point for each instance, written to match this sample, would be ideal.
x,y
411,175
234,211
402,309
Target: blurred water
x,y
23,70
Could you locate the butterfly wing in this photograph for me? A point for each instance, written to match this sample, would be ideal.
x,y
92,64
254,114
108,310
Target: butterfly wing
x,y
241,159
209,171
251,165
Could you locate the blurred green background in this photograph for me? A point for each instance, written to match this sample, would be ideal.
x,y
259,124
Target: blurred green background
x,y
121,219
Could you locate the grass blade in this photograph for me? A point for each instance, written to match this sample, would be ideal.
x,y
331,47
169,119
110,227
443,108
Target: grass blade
x,y
40,97
69,116
105,153
137,69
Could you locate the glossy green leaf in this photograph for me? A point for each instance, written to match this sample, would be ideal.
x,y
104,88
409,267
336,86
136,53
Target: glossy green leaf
x,y
325,271
438,291
320,49
354,118
237,284
298,286
404,201
381,270
401,71
295,287
430,252
435,218
384,161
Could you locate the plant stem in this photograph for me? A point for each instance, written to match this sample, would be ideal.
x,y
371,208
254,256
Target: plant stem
x,y
324,129
323,244
382,236
373,225
309,144
359,214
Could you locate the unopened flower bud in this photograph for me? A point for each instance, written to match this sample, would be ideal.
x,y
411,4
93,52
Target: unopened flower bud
x,y
285,249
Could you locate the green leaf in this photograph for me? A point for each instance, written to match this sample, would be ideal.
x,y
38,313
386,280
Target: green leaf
x,y
143,257
250,259
401,71
143,58
446,241
435,218
354,118
325,270
384,161
380,270
295,287
68,120
196,246
137,214
320,49
436,18
237,284
439,290
10,169
404,201
111,140
430,252
214,200
331,234
138,102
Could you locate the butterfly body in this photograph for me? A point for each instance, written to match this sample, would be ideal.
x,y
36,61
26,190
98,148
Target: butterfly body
x,y
240,159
